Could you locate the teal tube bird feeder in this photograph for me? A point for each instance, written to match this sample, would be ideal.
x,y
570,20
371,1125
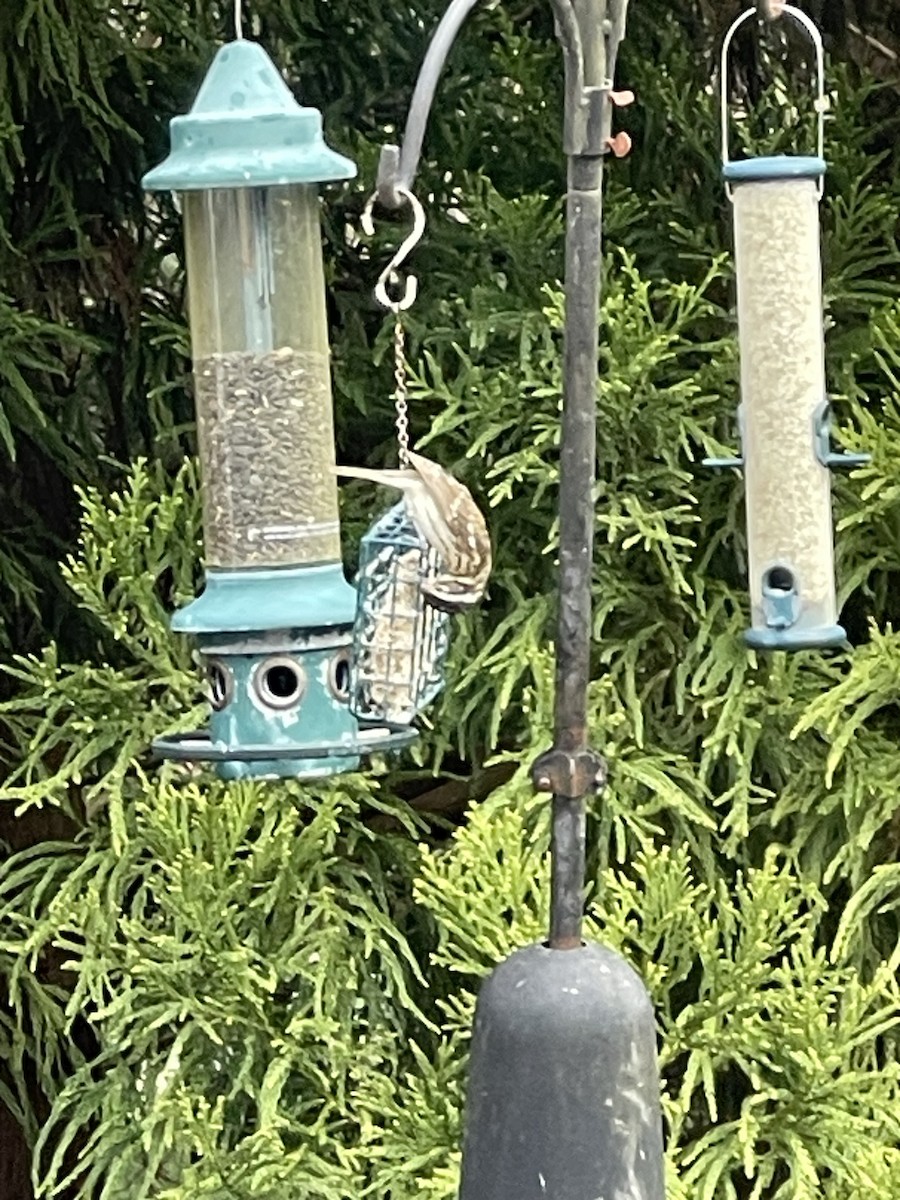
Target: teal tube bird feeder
x,y
275,617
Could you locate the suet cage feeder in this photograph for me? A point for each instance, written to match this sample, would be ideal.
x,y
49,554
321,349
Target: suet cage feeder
x,y
400,641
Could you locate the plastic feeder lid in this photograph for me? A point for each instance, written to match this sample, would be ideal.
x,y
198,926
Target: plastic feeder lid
x,y
778,166
245,129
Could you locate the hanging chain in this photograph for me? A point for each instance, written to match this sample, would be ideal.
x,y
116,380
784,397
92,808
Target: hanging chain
x,y
390,276
401,390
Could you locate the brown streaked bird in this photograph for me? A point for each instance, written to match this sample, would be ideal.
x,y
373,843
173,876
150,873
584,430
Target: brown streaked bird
x,y
446,516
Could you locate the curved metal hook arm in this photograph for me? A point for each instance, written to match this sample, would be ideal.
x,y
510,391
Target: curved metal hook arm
x,y
398,165
584,132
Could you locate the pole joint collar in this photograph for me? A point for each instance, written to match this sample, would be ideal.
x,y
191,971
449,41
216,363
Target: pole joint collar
x,y
571,774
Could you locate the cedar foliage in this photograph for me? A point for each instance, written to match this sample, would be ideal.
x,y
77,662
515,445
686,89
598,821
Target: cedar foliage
x,y
264,992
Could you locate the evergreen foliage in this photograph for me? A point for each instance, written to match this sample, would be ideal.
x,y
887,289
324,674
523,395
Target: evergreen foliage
x,y
264,992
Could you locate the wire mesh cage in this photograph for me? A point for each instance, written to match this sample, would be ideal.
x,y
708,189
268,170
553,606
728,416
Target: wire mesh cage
x,y
400,641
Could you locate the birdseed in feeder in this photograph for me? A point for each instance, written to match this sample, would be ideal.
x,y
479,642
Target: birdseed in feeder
x,y
270,499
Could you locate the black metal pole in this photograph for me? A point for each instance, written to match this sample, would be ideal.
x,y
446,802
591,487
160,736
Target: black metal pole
x,y
589,32
563,1091
571,770
576,532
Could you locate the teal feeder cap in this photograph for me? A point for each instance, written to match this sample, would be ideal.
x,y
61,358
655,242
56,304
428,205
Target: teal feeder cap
x,y
245,129
778,166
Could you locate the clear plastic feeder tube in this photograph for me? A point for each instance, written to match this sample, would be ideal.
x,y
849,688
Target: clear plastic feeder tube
x,y
780,318
262,376
783,398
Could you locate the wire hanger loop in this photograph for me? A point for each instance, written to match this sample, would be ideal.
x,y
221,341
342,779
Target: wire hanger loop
x,y
777,8
391,273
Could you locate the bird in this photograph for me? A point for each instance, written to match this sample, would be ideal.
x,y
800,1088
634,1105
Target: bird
x,y
448,520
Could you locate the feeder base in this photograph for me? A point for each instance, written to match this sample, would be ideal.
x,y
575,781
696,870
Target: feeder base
x,y
820,637
299,761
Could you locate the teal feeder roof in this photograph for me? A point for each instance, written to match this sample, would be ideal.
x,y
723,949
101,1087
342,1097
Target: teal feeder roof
x,y
245,129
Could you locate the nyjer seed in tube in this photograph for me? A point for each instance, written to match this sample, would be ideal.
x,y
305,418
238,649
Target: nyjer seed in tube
x,y
783,393
261,369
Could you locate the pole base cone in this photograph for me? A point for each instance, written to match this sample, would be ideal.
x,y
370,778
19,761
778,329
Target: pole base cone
x,y
563,1097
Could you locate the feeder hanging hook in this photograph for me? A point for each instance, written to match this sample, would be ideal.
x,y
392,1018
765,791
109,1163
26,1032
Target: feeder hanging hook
x,y
390,274
778,8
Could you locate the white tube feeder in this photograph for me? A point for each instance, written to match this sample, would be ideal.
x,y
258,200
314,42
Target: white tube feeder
x,y
784,414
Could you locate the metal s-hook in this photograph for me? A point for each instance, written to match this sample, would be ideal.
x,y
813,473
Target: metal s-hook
x,y
391,272
770,10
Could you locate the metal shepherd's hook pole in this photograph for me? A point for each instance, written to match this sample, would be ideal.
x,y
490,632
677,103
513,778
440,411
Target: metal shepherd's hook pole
x,y
589,32
572,770
563,1093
